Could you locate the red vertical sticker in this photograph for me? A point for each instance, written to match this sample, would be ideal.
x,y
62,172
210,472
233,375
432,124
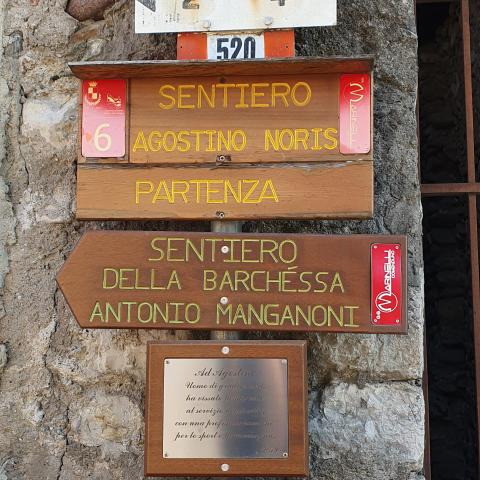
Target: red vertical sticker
x,y
355,113
103,118
386,284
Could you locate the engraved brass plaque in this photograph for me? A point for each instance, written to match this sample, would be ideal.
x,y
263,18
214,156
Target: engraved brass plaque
x,y
225,408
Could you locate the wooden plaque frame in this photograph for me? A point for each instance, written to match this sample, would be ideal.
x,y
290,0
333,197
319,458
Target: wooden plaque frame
x,y
297,462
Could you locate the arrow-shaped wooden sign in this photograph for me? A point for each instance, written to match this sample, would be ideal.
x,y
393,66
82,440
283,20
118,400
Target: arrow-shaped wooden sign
x,y
175,280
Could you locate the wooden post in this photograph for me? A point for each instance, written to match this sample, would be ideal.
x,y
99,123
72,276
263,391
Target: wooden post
x,y
225,227
280,44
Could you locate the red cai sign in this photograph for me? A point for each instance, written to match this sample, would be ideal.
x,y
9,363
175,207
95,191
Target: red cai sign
x,y
103,118
355,113
386,284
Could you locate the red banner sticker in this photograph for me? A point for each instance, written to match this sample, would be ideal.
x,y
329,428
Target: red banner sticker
x,y
355,113
103,118
386,284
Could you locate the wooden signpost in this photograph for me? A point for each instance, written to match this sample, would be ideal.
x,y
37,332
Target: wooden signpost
x,y
226,409
228,140
174,280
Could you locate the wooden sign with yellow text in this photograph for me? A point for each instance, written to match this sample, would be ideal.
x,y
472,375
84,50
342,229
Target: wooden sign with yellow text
x,y
174,280
291,137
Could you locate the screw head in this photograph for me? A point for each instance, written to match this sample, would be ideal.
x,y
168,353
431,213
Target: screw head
x,y
220,214
225,350
225,249
206,23
268,20
225,467
224,300
285,455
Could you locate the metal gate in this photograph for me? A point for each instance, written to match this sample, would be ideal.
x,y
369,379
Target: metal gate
x,y
471,189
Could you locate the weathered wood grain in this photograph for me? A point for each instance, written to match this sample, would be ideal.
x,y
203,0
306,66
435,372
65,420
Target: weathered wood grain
x,y
302,282
175,68
326,190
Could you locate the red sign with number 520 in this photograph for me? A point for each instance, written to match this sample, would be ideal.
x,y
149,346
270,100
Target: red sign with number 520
x,y
103,118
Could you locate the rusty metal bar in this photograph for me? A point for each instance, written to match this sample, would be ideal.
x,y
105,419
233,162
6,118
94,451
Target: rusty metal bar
x,y
83,10
427,466
440,189
472,201
467,63
427,457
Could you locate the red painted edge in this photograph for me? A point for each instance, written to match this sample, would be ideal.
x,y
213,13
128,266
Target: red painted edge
x,y
192,46
279,43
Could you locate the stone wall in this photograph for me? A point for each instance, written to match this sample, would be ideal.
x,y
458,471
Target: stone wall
x,y
72,400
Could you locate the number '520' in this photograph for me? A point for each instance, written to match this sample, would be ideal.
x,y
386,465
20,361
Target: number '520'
x,y
232,47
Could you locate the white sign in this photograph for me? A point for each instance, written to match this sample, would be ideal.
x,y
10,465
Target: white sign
x,y
235,46
159,16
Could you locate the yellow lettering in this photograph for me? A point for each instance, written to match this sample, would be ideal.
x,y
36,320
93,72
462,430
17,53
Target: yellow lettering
x,y
162,193
140,142
270,141
281,94
113,280
272,195
139,191
176,190
171,104
328,135
182,95
154,247
308,94
256,95
202,93
97,312
241,103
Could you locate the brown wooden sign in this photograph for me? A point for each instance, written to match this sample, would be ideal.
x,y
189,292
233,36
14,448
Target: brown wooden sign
x,y
256,119
293,137
174,280
226,409
224,193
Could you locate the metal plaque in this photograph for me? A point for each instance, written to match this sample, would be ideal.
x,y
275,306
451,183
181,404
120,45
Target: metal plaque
x,y
225,408
215,15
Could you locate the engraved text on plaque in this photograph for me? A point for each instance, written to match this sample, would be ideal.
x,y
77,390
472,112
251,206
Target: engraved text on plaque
x,y
225,408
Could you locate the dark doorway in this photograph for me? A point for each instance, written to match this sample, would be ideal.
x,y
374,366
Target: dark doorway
x,y
450,346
